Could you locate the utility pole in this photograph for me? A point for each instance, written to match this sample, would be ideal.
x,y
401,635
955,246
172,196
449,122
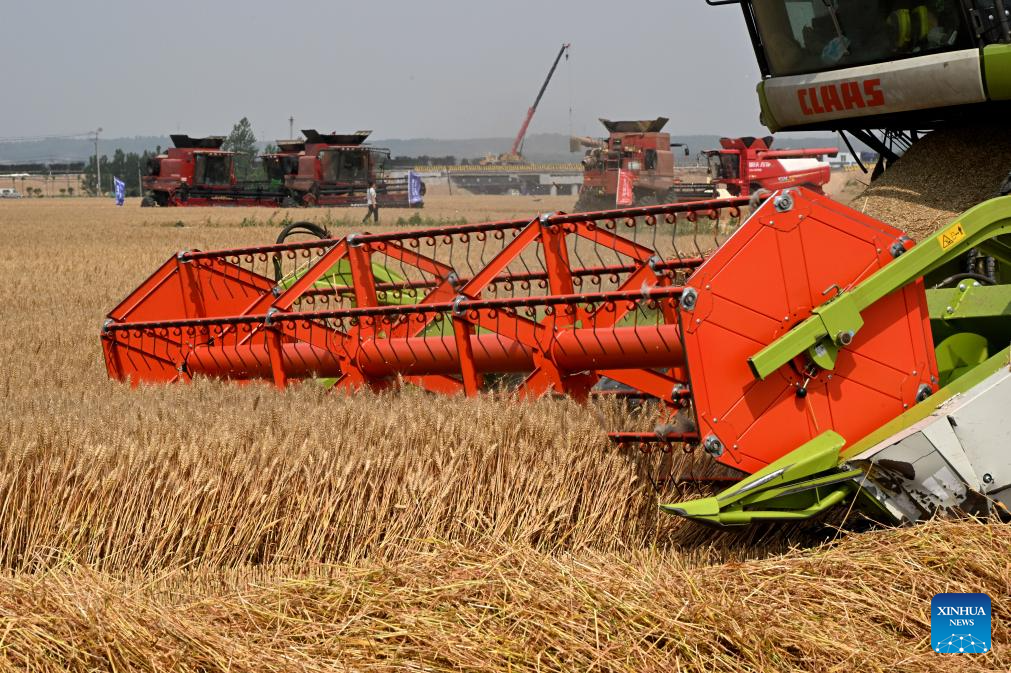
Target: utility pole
x,y
98,164
291,127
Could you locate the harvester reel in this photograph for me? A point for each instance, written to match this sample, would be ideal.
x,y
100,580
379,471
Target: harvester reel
x,y
800,341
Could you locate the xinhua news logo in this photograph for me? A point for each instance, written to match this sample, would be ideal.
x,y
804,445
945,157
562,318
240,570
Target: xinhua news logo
x,y
960,623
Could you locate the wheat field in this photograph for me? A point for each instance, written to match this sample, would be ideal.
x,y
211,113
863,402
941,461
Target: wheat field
x,y
213,527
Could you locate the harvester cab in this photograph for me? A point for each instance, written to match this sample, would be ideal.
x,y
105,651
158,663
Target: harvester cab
x,y
745,165
193,167
887,65
335,170
279,165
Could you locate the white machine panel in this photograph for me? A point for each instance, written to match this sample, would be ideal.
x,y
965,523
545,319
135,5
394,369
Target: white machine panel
x,y
937,80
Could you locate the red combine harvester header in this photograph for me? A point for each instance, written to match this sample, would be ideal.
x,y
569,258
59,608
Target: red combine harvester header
x,y
566,300
324,170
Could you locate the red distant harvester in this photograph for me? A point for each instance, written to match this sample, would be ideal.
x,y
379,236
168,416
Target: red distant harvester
x,y
335,170
745,165
640,148
197,172
326,169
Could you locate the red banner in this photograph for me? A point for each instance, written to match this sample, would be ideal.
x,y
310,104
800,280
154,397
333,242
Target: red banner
x,y
624,195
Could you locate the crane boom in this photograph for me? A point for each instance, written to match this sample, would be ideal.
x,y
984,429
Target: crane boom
x,y
533,108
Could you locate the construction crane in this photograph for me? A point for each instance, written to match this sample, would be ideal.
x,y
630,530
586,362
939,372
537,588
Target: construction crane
x,y
514,155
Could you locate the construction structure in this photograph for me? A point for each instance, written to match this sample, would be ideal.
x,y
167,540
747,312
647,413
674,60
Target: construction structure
x,y
323,170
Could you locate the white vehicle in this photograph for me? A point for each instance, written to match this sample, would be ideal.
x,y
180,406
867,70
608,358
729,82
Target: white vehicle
x,y
9,193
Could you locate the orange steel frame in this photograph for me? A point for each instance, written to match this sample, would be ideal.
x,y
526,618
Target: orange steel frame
x,y
201,313
210,313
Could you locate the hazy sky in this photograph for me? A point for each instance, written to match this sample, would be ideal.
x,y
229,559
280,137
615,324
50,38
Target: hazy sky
x,y
440,69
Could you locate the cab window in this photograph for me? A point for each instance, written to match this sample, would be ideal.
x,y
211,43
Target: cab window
x,y
803,36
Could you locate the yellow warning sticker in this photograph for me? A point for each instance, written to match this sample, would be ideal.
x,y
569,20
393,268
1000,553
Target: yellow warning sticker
x,y
951,236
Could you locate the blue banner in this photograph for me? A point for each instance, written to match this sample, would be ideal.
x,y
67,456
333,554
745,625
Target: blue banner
x,y
415,189
120,188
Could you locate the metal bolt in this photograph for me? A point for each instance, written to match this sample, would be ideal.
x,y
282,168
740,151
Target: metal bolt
x,y
923,392
457,310
783,203
713,446
987,478
267,319
689,297
949,309
351,238
961,286
677,390
845,338
105,325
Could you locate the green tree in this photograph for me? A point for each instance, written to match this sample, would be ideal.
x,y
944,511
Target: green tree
x,y
242,141
126,166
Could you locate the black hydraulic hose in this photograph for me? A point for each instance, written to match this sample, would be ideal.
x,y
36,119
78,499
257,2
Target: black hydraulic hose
x,y
951,280
296,228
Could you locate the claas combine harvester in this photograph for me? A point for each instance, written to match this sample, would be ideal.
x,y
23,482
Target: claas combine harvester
x,y
326,169
817,350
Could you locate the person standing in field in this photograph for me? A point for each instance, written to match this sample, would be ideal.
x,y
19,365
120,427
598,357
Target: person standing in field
x,y
372,203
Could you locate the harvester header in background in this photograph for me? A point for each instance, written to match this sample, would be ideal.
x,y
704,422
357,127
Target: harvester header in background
x,y
821,379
